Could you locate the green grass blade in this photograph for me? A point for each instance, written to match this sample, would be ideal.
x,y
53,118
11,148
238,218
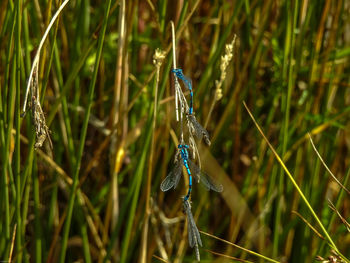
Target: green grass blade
x,y
83,136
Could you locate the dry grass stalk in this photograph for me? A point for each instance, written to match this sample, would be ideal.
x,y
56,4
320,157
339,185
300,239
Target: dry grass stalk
x,y
346,223
12,243
325,165
225,61
158,59
309,224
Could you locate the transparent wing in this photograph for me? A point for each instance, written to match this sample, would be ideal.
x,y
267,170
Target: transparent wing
x,y
178,172
208,182
172,180
195,126
187,81
205,179
198,129
194,237
191,237
168,182
196,172
195,233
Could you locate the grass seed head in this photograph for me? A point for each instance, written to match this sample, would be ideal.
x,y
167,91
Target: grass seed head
x,y
158,57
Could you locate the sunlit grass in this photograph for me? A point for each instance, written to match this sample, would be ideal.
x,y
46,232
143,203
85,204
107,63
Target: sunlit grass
x,y
95,197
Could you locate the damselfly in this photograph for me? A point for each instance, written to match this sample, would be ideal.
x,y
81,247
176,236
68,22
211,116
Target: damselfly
x,y
182,158
188,83
172,180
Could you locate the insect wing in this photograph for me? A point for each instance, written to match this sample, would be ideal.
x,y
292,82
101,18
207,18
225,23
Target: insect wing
x,y
193,234
168,182
205,179
172,180
193,231
187,81
198,129
177,173
191,240
195,170
209,183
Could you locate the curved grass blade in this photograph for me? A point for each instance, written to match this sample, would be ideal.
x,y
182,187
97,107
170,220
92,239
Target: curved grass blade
x,y
197,129
205,179
242,248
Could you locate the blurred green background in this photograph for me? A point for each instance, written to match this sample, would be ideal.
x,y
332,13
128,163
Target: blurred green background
x,y
95,196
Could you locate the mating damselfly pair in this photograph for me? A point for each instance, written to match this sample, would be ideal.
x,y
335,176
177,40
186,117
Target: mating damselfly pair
x,y
185,158
182,159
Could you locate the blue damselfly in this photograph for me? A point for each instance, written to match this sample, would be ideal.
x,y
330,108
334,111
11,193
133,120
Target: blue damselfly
x,y
188,83
172,180
182,158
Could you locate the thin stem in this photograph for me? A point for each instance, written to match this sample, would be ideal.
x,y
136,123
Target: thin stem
x,y
286,75
143,256
12,243
325,165
37,220
174,67
241,248
6,170
116,109
17,169
174,43
83,137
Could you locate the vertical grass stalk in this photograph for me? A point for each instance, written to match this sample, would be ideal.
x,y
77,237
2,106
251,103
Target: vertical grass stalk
x,y
83,137
157,60
18,131
288,57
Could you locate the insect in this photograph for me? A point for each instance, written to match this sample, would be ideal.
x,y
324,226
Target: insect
x,y
182,159
172,180
188,83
